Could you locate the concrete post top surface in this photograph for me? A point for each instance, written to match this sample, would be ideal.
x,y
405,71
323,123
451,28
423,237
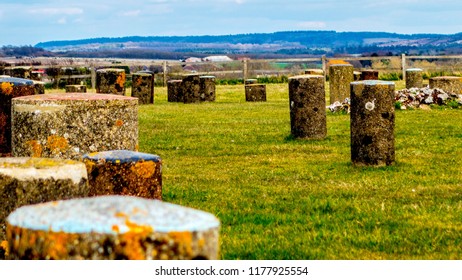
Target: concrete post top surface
x,y
16,81
111,215
446,78
105,70
372,83
74,96
142,74
414,70
174,81
207,77
121,156
341,65
24,168
307,76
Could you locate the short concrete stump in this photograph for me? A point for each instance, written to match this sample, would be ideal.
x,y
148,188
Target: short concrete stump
x,y
174,92
143,87
73,124
369,75
307,99
76,88
255,92
372,123
110,80
207,88
414,78
39,87
111,228
9,89
340,77
124,172
191,88
449,84
356,75
26,181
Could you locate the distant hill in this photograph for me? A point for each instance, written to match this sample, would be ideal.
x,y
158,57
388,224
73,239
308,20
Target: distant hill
x,y
286,43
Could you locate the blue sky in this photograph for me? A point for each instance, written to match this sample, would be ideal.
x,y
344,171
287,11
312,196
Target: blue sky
x,y
27,22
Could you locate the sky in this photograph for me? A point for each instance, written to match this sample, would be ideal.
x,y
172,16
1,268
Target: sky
x,y
28,22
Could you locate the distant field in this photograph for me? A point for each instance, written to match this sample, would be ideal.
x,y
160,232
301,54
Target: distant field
x,y
279,198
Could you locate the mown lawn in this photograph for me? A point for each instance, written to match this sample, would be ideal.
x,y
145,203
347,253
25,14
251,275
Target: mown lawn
x,y
279,198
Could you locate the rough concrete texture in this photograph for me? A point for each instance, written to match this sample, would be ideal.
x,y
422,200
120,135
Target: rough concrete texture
x,y
191,88
250,81
76,88
111,81
369,75
70,125
26,181
207,88
143,87
414,78
372,123
340,77
174,92
39,87
307,107
9,89
124,172
112,227
255,93
449,84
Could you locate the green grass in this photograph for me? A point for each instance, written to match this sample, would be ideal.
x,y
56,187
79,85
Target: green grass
x,y
280,198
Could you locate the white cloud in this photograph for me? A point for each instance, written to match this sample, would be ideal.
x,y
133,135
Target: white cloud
x,y
56,11
312,24
62,20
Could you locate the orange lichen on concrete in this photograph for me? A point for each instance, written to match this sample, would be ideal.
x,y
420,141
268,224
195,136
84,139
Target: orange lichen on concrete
x,y
119,122
6,88
115,228
144,169
121,79
35,148
4,246
184,241
57,144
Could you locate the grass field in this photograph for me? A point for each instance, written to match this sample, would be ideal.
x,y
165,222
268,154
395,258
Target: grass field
x,y
279,198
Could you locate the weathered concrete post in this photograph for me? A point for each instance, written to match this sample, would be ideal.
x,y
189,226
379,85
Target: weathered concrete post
x,y
255,92
414,78
73,124
9,89
340,77
314,72
307,99
110,80
143,87
26,181
191,89
110,228
449,84
369,75
207,88
250,81
372,123
174,91
123,172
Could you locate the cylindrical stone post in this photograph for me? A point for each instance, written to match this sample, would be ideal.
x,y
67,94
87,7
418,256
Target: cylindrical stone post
x,y
110,228
191,89
142,87
449,84
9,89
307,99
255,92
69,125
110,80
39,87
207,85
340,77
76,88
26,181
369,75
153,82
372,123
174,91
414,78
124,172
357,75
314,72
